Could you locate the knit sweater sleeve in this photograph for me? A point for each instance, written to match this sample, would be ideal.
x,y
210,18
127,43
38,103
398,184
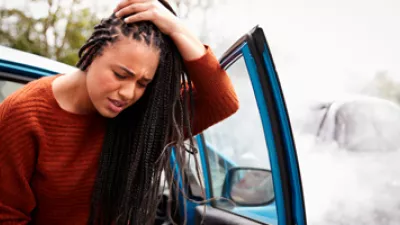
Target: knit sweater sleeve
x,y
214,96
17,163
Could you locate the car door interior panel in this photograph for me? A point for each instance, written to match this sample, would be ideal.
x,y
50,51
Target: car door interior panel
x,y
213,216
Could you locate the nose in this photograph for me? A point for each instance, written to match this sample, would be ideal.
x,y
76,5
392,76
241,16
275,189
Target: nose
x,y
127,91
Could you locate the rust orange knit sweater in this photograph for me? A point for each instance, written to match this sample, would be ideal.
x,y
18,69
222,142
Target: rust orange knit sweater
x,y
49,157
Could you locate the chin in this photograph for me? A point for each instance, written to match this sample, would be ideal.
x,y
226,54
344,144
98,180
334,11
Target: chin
x,y
107,114
110,116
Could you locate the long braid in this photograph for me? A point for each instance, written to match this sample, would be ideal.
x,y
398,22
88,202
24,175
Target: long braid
x,y
132,157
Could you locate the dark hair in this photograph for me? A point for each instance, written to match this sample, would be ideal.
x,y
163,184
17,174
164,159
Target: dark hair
x,y
137,143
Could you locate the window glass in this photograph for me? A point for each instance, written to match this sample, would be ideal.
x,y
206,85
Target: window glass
x,y
8,87
237,153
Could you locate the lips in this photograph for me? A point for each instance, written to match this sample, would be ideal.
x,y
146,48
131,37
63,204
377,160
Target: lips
x,y
116,106
118,103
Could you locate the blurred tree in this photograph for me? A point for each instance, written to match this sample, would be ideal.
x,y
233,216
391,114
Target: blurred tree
x,y
383,86
66,25
57,35
185,7
198,9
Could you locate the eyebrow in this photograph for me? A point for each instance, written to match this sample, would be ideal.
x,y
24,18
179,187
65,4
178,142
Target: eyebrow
x,y
131,73
128,71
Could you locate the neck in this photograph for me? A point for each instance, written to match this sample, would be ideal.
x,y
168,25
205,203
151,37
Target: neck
x,y
71,93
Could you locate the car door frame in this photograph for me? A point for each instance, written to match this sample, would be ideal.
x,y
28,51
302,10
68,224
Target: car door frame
x,y
254,48
272,84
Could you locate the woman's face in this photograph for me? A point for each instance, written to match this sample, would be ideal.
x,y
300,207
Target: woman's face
x,y
119,76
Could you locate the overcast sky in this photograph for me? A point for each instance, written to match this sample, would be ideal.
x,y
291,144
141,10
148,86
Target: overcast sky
x,y
338,44
333,42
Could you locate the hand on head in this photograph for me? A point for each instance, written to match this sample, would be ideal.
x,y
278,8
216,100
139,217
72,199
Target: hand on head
x,y
158,12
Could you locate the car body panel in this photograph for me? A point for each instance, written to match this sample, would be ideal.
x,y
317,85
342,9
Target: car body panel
x,y
29,65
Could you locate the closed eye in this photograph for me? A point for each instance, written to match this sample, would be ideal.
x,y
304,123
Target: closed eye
x,y
119,75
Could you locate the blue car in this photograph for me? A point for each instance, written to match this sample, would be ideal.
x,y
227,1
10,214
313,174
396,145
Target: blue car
x,y
249,166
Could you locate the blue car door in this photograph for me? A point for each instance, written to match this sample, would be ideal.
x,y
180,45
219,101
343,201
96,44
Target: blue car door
x,y
248,161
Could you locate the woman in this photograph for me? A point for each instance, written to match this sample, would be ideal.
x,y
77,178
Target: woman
x,y
88,147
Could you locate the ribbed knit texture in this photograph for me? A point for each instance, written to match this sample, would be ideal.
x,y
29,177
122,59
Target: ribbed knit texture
x,y
49,157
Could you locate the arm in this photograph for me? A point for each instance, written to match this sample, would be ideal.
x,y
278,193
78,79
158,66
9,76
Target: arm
x,y
16,166
214,96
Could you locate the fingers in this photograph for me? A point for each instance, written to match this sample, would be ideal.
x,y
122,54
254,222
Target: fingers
x,y
121,5
134,8
142,16
125,3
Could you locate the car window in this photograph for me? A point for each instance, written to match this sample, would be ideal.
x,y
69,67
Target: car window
x,y
7,88
218,167
239,143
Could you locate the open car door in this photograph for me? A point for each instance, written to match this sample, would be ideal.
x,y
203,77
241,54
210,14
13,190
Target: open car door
x,y
249,163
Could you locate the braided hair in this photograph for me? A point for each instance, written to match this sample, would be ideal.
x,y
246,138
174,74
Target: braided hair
x,y
137,143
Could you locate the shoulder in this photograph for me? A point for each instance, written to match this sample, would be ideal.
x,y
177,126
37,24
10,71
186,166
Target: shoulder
x,y
26,100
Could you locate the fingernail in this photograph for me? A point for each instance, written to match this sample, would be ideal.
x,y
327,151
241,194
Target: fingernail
x,y
117,14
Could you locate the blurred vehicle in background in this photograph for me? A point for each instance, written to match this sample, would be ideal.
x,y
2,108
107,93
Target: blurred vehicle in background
x,y
356,123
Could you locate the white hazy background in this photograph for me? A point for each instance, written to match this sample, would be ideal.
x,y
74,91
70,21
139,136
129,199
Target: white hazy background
x,y
321,49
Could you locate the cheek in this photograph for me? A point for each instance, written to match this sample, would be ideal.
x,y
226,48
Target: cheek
x,y
100,83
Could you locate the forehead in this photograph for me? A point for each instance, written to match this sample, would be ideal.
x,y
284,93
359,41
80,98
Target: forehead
x,y
133,54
